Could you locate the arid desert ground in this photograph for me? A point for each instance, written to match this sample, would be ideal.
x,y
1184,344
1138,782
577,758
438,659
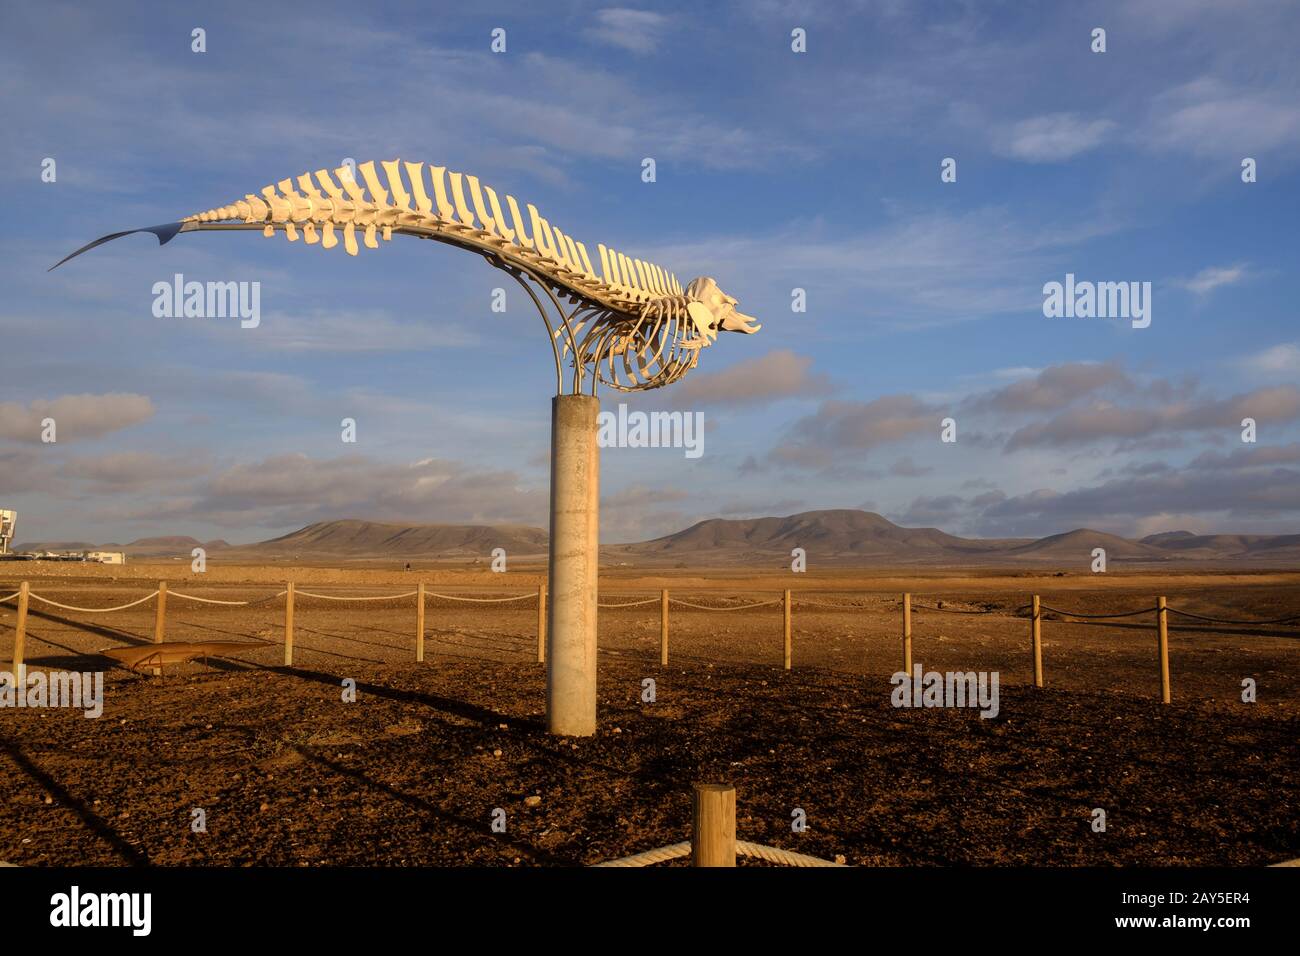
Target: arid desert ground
x,y
411,772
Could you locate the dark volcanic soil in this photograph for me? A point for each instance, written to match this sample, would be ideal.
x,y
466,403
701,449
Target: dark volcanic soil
x,y
289,774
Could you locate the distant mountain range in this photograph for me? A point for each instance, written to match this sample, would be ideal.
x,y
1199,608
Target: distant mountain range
x,y
843,537
863,537
140,548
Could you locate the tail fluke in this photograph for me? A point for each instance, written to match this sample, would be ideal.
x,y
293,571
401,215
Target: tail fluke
x,y
165,234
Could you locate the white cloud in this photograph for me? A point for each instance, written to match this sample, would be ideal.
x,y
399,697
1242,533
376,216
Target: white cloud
x,y
751,382
1052,138
1283,358
840,428
75,416
131,470
1209,279
1208,117
637,31
294,489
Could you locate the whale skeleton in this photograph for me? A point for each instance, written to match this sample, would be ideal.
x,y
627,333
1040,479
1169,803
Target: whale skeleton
x,y
632,327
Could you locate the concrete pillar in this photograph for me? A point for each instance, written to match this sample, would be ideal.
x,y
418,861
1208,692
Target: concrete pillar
x,y
575,547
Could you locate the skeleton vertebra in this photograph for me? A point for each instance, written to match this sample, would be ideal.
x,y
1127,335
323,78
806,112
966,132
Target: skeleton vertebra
x,y
634,324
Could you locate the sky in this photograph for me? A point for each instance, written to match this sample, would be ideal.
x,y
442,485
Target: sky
x,y
775,171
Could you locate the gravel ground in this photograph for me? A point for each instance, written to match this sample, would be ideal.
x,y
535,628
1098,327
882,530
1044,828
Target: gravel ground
x,y
288,773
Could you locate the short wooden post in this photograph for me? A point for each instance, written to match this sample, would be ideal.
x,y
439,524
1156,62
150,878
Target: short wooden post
x,y
1036,636
787,631
20,634
419,622
713,825
663,628
160,615
288,625
160,620
541,623
907,635
1162,621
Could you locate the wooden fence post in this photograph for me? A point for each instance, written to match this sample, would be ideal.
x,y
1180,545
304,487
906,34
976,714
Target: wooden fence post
x,y
20,636
787,644
541,623
288,625
160,615
1036,634
1162,621
907,635
663,628
160,620
419,622
713,829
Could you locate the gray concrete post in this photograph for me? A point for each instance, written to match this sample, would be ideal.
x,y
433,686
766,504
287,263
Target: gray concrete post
x,y
574,562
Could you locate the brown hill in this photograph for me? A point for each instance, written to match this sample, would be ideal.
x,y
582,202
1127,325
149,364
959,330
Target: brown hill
x,y
1078,545
23,546
838,533
168,545
355,539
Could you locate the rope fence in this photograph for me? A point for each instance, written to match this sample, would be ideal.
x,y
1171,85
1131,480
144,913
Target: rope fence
x,y
1100,617
742,607
675,851
1219,620
340,597
203,600
662,854
90,610
24,595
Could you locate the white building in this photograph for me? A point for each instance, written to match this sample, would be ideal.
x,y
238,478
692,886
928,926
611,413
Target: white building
x,y
7,521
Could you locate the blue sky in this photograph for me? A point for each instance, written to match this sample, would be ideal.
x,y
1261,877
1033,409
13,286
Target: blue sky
x,y
776,170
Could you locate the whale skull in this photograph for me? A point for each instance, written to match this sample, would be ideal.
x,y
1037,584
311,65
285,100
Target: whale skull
x,y
712,310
